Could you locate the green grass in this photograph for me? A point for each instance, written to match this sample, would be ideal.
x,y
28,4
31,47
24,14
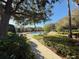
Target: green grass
x,y
38,37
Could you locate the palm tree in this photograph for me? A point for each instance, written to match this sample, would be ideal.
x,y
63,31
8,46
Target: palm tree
x,y
70,26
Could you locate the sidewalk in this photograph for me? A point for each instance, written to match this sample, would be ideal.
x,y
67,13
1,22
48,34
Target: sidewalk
x,y
41,52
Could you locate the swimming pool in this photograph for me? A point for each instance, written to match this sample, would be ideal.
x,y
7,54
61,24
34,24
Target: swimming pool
x,y
37,33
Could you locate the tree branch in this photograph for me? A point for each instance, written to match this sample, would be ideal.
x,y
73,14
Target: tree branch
x,y
28,15
17,5
25,14
3,1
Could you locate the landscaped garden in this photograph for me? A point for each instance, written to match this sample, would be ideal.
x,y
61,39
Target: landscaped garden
x,y
61,45
23,13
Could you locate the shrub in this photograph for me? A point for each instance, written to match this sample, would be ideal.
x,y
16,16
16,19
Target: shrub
x,y
15,47
63,50
11,28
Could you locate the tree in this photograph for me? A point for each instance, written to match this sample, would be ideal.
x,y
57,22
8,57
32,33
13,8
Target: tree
x,y
62,25
49,27
22,10
70,20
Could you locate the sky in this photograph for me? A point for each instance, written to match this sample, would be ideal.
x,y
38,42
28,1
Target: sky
x,y
59,10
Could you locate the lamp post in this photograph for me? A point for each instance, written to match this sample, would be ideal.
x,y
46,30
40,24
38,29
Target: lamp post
x,y
70,25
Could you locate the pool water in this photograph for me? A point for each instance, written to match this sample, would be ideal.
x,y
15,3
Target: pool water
x,y
37,33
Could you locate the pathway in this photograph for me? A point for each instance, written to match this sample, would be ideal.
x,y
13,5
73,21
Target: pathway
x,y
41,52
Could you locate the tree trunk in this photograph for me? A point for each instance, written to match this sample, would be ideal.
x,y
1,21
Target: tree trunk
x,y
70,25
4,25
5,19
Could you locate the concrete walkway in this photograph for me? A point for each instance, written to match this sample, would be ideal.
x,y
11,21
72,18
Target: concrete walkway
x,y
41,52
